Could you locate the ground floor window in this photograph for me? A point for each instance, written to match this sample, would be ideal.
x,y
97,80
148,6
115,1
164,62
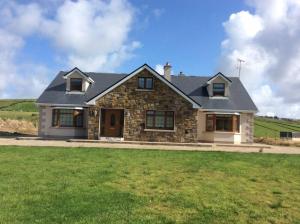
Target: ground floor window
x,y
67,118
160,120
223,122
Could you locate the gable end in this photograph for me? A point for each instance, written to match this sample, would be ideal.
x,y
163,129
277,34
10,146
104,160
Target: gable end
x,y
92,101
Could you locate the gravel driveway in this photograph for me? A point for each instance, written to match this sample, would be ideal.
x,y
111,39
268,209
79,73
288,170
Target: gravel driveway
x,y
215,147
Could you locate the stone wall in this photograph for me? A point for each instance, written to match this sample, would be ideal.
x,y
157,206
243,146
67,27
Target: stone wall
x,y
135,103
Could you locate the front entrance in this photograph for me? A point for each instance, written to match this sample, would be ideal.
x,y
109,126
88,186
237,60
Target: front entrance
x,y
112,123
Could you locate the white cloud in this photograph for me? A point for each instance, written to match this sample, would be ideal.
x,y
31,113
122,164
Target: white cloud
x,y
159,68
20,19
17,21
92,35
269,41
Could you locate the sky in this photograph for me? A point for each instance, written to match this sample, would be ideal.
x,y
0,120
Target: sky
x,y
40,38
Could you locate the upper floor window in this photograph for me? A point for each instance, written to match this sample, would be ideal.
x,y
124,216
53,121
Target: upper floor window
x,y
218,89
75,84
145,83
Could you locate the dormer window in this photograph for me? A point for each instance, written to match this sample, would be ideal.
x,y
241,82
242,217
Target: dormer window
x,y
218,86
218,89
145,83
75,84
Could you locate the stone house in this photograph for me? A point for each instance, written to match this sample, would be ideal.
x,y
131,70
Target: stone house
x,y
146,106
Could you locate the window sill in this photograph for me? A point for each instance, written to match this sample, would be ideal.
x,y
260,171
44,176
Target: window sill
x,y
223,132
159,130
67,127
218,97
75,92
145,90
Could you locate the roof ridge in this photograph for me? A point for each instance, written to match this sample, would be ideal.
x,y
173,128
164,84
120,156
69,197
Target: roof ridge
x,y
200,76
108,73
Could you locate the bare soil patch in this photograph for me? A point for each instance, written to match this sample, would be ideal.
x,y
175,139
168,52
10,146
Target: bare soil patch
x,y
17,127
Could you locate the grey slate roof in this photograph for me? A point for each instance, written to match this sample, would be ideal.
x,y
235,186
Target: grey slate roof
x,y
195,88
192,86
55,93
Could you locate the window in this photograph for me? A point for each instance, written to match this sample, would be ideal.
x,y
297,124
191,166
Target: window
x,y
209,122
218,89
145,83
223,122
112,120
67,118
75,84
160,120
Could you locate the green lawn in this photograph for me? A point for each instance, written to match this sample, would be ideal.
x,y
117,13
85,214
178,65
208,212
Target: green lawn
x,y
84,185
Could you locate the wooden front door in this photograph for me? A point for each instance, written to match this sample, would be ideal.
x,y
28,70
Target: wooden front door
x,y
112,123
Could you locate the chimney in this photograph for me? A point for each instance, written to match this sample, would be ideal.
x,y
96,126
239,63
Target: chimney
x,y
167,71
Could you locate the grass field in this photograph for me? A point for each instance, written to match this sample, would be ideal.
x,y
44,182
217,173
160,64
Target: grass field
x,y
18,105
16,109
84,185
266,127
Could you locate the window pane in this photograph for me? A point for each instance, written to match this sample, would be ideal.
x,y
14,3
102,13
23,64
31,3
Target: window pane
x,y
219,85
209,122
159,119
149,121
224,123
54,117
112,120
218,89
228,124
237,123
76,84
169,122
149,83
78,116
141,83
66,118
159,122
160,113
219,124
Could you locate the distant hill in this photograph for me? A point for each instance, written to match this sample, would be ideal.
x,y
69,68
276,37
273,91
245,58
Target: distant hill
x,y
21,105
268,127
19,109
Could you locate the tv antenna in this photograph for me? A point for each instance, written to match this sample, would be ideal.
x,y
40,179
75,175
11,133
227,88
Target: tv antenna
x,y
240,61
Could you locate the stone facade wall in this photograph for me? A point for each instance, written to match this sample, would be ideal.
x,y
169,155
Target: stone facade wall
x,y
135,104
